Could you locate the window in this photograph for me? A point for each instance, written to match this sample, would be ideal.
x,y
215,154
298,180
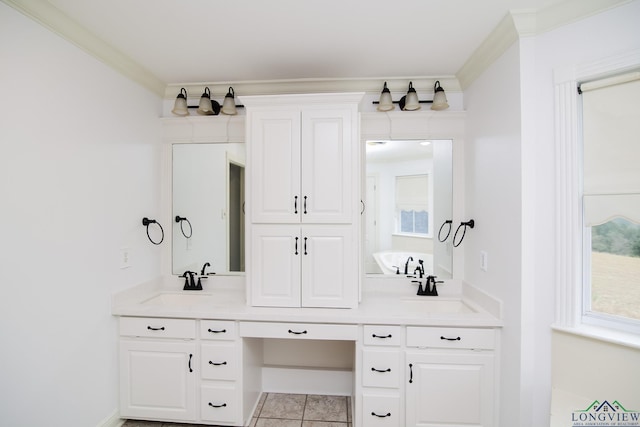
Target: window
x,y
412,204
611,202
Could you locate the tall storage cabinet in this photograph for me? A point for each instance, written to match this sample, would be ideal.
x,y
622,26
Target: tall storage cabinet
x,y
303,203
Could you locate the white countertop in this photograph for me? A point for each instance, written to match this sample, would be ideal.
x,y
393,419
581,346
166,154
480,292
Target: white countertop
x,y
226,300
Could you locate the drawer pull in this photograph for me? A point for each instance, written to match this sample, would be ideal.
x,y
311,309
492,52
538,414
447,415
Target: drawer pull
x,y
222,331
217,363
155,329
297,333
450,339
381,370
224,405
388,414
381,336
410,373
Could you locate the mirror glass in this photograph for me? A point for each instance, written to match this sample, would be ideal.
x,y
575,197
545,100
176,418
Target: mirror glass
x,y
409,186
208,207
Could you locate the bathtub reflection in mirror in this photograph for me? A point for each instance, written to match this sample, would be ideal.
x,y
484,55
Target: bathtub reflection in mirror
x,y
408,197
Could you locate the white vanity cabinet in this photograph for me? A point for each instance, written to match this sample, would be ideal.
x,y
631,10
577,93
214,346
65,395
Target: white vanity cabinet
x,y
158,368
381,376
450,377
220,367
302,162
308,266
303,198
170,372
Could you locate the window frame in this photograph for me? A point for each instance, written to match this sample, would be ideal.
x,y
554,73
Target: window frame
x,y
570,231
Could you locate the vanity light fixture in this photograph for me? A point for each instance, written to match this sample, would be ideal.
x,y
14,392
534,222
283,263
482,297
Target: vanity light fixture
x,y
385,103
205,107
410,101
180,106
229,103
439,98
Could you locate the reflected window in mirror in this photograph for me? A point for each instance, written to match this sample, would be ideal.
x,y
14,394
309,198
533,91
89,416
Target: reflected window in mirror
x,y
408,195
208,189
412,205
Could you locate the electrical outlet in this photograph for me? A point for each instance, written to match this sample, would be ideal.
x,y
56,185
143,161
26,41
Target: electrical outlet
x,y
484,261
125,258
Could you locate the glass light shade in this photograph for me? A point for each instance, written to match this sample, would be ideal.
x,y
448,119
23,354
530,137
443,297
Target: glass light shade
x,y
180,106
205,107
439,98
411,102
385,103
229,103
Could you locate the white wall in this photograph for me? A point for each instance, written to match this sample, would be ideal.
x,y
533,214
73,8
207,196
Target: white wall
x,y
79,168
493,200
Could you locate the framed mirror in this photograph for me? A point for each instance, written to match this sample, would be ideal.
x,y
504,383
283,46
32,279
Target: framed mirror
x,y
208,207
409,187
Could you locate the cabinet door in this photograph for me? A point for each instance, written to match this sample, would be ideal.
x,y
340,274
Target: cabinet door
x,y
275,265
158,379
275,166
454,389
329,266
329,162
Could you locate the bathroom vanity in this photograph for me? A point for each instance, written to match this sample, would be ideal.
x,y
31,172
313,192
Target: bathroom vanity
x,y
304,318
417,361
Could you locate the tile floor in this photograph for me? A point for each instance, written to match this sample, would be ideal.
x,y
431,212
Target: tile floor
x,y
287,410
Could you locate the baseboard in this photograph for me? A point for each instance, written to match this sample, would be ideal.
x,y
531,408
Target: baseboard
x,y
112,420
276,379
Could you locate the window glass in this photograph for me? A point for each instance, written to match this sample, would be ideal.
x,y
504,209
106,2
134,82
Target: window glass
x,y
615,269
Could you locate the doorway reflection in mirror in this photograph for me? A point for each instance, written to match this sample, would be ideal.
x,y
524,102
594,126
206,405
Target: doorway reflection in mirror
x,y
208,188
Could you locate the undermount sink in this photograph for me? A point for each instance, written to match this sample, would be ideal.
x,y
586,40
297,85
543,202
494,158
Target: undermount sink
x,y
177,299
434,305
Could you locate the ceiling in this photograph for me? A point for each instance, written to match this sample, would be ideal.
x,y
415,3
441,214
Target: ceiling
x,y
192,41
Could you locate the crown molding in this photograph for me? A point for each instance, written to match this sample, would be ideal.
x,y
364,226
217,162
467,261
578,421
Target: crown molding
x,y
500,39
52,18
524,23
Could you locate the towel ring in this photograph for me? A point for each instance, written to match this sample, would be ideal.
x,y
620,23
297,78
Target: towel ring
x,y
471,223
180,219
146,222
450,222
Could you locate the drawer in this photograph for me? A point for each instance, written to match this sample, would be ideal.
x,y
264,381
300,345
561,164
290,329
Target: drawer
x,y
218,330
307,331
157,327
380,411
381,368
481,339
219,361
220,404
382,335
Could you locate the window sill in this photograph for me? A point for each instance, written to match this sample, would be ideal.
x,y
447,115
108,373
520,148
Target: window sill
x,y
602,334
416,236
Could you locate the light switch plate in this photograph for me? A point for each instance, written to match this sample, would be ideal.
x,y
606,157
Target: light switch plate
x,y
484,261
